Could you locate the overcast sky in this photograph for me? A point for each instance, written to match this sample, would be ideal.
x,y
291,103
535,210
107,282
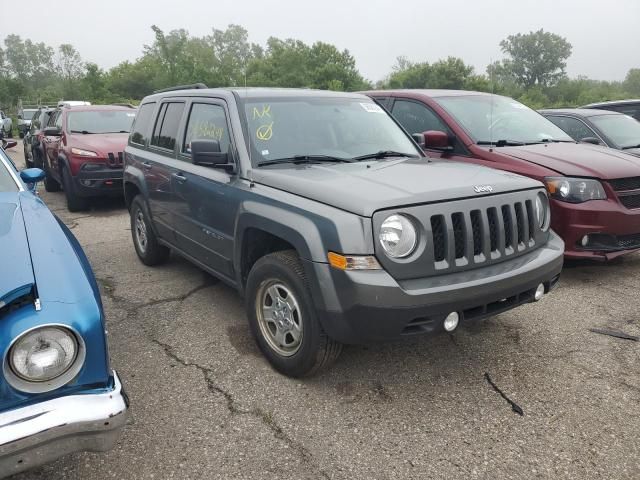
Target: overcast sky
x,y
605,34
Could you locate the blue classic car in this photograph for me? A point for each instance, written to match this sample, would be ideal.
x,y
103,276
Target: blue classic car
x,y
57,392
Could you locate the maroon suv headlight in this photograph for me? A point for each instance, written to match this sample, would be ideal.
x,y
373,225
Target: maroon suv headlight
x,y
83,153
575,190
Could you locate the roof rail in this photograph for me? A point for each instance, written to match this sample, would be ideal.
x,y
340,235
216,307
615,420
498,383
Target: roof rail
x,y
123,105
182,87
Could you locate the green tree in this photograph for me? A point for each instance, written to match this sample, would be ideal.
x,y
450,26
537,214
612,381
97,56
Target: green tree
x,y
535,58
449,73
632,82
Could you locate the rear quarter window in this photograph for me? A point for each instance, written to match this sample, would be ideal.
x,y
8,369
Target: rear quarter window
x,y
140,128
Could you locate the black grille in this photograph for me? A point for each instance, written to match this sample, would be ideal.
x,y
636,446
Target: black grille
x,y
624,184
116,160
492,214
532,219
439,237
458,233
629,241
506,218
630,201
520,222
476,227
515,231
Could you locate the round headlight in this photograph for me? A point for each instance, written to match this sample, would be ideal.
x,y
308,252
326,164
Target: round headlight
x,y
565,188
43,354
542,211
398,236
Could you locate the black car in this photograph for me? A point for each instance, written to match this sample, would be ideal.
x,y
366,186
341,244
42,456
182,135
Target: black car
x,y
34,137
628,107
600,127
330,220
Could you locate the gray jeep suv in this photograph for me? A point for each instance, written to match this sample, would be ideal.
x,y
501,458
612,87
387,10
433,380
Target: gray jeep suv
x,y
328,218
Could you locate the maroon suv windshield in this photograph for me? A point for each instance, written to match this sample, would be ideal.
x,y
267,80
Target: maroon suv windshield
x,y
101,121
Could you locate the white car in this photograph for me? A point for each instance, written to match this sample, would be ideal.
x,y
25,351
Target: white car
x,y
6,125
72,103
24,120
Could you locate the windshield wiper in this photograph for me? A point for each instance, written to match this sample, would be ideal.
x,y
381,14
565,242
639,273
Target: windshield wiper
x,y
384,154
555,140
119,131
304,159
84,132
503,143
628,147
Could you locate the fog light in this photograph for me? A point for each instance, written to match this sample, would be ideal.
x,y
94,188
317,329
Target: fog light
x,y
539,292
451,322
585,241
86,183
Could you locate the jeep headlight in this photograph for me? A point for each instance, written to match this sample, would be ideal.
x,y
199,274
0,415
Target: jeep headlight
x,y
398,236
575,190
543,216
44,354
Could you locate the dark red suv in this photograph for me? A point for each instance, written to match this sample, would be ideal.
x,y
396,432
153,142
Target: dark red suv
x,y
84,152
594,191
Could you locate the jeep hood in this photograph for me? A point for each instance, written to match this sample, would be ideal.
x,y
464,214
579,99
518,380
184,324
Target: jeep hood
x,y
16,278
101,143
365,187
580,160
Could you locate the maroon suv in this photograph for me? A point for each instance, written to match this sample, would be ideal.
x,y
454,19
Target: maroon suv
x,y
594,191
84,152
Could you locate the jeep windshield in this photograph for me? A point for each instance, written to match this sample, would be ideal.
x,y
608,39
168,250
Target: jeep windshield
x,y
101,121
501,121
322,129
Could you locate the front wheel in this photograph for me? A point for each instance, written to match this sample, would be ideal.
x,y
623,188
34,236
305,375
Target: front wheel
x,y
50,183
149,250
75,203
283,319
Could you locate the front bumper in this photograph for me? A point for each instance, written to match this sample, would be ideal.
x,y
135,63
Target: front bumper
x,y
102,182
615,228
42,432
368,306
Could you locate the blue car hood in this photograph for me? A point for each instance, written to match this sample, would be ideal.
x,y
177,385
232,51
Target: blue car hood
x,y
34,251
16,272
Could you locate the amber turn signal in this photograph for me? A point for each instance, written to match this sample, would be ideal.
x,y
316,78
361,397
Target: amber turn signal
x,y
353,262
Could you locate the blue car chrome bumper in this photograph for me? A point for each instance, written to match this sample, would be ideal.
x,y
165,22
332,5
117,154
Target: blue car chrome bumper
x,y
42,432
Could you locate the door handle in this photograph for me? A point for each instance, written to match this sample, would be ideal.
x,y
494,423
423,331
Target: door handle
x,y
146,165
179,177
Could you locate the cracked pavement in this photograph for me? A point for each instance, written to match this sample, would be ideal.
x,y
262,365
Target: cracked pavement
x,y
205,404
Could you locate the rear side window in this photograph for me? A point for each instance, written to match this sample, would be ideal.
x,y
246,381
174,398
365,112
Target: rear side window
x,y
206,122
575,128
166,129
417,118
140,128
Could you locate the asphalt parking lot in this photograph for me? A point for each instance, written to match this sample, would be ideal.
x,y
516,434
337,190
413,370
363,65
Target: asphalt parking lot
x,y
205,404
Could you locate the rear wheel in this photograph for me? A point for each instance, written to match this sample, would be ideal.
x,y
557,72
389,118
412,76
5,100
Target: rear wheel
x,y
75,203
149,250
283,319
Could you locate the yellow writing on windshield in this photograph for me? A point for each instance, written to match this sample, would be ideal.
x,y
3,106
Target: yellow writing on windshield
x,y
265,132
266,112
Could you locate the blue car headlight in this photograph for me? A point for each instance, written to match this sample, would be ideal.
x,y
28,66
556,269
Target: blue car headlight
x,y
44,358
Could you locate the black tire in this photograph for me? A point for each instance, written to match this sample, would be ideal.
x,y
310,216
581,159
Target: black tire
x,y
50,183
316,350
27,160
150,252
75,203
35,155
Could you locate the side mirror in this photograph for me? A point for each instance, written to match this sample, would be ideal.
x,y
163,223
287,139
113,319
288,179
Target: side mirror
x,y
591,140
207,153
437,140
52,132
32,175
19,117
10,144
